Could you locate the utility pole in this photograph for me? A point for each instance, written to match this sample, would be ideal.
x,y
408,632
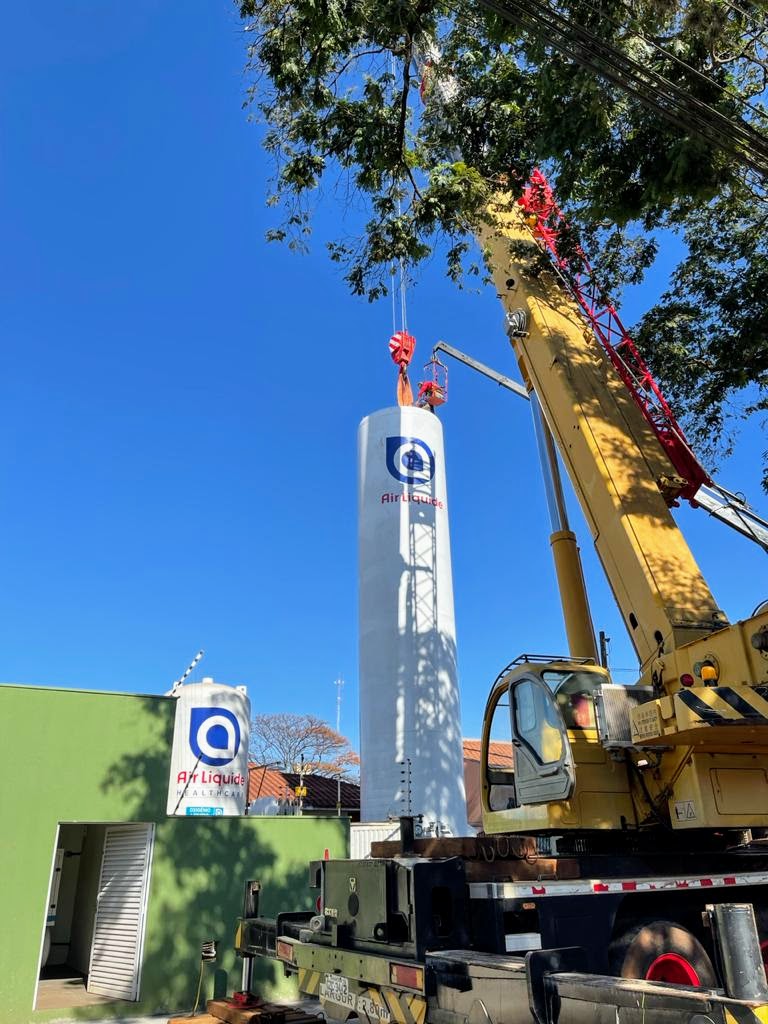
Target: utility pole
x,y
338,684
604,641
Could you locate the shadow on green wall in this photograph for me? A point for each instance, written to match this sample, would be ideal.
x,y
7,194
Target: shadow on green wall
x,y
199,869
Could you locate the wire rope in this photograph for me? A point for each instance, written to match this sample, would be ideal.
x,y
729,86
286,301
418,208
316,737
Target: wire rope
x,y
393,271
401,263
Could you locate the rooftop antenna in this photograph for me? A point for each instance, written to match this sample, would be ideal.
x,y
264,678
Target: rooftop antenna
x,y
195,661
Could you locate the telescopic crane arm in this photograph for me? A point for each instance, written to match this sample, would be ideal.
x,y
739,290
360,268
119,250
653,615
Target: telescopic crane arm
x,y
610,453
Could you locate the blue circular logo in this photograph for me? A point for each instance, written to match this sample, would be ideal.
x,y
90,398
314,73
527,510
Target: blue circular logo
x,y
214,735
410,460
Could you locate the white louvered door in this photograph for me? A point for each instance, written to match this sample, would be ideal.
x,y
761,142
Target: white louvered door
x,y
118,930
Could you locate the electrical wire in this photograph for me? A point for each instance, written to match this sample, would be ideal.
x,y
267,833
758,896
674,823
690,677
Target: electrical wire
x,y
649,87
637,78
707,79
199,989
607,50
760,26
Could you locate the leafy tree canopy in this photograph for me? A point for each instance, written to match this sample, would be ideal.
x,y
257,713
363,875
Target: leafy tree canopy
x,y
337,84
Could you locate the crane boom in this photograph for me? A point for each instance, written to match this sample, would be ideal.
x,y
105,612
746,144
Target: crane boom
x,y
613,458
548,226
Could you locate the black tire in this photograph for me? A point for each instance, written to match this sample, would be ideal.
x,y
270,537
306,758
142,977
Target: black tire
x,y
662,951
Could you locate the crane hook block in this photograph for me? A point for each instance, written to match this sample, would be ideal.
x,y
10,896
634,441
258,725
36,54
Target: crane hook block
x,y
401,346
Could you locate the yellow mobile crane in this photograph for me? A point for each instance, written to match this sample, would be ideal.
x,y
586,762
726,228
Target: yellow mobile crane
x,y
687,747
600,890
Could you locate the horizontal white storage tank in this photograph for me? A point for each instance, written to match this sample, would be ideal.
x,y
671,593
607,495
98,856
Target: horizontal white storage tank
x,y
410,725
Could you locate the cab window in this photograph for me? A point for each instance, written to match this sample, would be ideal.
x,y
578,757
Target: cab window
x,y
574,693
537,722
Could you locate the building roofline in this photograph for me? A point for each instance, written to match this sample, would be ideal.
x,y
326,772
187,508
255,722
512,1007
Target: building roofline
x,y
75,689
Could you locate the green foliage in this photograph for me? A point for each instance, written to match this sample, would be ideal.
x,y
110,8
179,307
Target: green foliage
x,y
336,83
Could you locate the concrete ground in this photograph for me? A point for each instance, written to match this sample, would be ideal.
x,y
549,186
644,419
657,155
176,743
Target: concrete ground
x,y
63,988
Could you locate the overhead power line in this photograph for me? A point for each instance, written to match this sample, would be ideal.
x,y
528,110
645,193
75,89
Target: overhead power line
x,y
679,62
676,105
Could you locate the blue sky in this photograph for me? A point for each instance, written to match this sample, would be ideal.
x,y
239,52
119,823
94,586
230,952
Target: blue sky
x,y
179,401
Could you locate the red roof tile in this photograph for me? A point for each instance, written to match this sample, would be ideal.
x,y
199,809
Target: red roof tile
x,y
501,753
322,792
265,782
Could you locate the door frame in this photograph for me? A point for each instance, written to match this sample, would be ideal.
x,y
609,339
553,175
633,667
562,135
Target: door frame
x,y
45,910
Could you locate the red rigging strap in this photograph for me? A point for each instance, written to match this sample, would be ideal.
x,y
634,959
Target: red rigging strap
x,y
547,224
401,347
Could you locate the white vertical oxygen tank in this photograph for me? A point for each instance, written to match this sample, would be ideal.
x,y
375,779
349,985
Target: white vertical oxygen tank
x,y
411,753
209,760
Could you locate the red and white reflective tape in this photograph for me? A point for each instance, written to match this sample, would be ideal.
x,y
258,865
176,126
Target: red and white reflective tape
x,y
597,886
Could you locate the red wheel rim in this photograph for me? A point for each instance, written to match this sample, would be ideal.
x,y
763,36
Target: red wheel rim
x,y
674,969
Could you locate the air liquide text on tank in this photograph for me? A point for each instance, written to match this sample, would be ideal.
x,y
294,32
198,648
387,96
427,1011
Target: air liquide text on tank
x,y
410,728
209,762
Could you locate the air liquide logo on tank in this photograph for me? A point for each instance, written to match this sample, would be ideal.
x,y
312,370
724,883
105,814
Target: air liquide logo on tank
x,y
209,762
410,461
214,735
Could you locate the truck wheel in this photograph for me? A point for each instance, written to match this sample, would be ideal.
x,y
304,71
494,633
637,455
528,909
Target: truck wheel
x,y
662,951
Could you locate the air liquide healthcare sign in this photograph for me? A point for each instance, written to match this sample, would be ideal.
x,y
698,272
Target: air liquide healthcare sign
x,y
209,761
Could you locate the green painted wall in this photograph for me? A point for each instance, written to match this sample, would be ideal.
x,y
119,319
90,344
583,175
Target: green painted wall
x,y
74,756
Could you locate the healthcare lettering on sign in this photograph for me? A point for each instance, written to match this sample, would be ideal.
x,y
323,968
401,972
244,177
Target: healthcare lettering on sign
x,y
209,762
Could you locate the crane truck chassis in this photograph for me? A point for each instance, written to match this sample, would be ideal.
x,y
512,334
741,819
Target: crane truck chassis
x,y
512,930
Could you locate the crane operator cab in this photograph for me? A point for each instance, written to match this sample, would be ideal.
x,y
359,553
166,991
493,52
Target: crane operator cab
x,y
542,712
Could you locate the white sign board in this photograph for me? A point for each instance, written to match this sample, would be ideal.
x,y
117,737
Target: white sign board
x,y
209,760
